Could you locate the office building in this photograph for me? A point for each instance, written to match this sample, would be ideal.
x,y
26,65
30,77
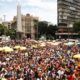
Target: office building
x,y
68,12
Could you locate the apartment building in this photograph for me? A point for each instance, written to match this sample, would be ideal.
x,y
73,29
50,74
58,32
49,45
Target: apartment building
x,y
68,12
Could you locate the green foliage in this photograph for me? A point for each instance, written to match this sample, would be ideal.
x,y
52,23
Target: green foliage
x,y
51,29
76,27
3,30
7,32
45,29
42,27
11,33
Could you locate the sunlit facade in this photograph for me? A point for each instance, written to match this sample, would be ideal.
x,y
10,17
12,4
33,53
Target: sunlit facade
x,y
29,25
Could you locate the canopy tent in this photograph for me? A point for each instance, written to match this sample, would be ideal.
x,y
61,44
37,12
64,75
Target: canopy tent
x,y
22,48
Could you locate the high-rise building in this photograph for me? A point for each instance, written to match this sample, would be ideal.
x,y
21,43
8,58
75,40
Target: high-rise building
x,y
68,12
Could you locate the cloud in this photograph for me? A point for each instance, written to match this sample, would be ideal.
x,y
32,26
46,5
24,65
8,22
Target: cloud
x,y
45,9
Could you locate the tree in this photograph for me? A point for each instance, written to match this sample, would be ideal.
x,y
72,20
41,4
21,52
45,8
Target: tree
x,y
11,33
3,30
51,30
76,27
8,32
42,28
47,30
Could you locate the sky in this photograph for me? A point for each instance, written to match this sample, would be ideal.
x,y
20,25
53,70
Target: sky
x,y
44,9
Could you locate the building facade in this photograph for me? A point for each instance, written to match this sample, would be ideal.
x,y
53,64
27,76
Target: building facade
x,y
29,25
7,24
68,12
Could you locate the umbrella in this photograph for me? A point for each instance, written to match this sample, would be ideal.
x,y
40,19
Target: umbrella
x,y
78,43
56,43
77,56
1,49
3,79
34,46
69,43
23,48
42,44
7,49
17,47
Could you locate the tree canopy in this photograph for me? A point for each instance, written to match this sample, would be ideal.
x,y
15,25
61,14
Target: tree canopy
x,y
3,30
8,32
76,27
44,28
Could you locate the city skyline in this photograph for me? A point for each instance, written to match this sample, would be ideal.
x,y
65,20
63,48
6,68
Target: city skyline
x,y
44,9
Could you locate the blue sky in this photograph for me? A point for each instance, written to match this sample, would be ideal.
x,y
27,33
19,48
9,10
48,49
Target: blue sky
x,y
44,9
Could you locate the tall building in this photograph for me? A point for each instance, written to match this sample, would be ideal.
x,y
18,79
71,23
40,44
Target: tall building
x,y
68,12
29,25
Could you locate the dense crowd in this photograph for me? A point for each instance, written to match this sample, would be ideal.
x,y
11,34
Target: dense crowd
x,y
39,63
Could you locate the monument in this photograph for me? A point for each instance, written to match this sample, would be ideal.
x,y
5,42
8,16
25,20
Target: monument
x,y
19,21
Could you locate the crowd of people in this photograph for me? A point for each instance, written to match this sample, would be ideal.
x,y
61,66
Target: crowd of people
x,y
49,62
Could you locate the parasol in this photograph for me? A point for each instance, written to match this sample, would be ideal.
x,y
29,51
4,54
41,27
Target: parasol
x,y
77,56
